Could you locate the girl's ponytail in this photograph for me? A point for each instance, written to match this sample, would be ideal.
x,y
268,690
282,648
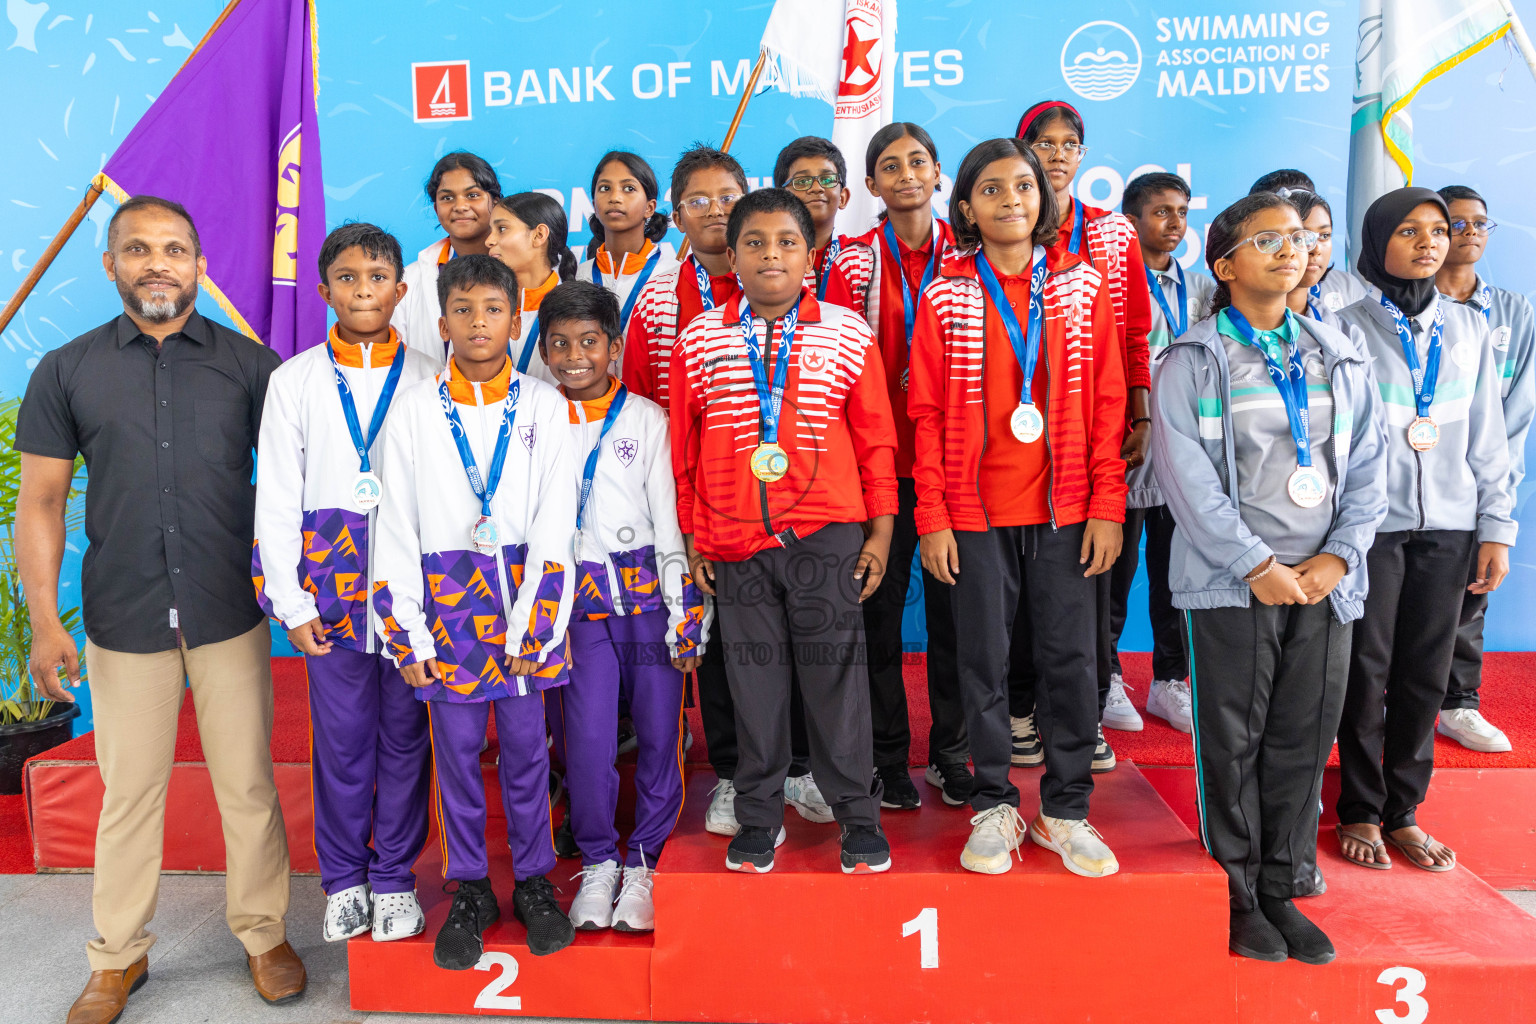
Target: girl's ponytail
x,y
595,228
656,227
566,266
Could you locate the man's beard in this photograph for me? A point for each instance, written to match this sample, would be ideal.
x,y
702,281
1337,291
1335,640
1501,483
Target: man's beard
x,y
157,310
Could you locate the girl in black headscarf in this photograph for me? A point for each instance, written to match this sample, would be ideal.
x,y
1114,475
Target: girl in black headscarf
x,y
1448,505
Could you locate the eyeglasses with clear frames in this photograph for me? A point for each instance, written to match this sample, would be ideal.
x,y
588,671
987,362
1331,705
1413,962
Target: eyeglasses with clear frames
x,y
699,205
1046,150
1481,227
1270,242
806,182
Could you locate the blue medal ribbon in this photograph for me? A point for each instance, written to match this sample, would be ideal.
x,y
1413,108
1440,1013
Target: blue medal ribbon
x,y
706,294
1484,297
1314,296
485,489
1026,346
908,301
641,278
1423,379
1075,245
833,248
770,399
363,445
589,471
530,345
1290,380
1179,326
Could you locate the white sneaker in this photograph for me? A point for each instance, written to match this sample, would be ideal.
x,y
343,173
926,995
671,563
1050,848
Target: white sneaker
x,y
1082,849
1169,700
995,833
801,794
636,912
1119,712
397,915
346,914
593,906
1468,727
721,816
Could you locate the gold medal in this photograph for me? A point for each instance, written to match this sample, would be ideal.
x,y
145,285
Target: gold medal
x,y
769,462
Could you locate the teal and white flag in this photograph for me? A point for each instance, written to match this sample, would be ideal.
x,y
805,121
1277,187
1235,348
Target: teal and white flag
x,y
1403,45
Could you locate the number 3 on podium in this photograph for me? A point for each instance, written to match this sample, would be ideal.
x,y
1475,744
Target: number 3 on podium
x,y
926,925
1415,1006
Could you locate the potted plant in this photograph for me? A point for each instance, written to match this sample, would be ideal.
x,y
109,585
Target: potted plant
x,y
28,723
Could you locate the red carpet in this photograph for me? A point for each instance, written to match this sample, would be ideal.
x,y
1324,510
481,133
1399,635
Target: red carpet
x,y
15,840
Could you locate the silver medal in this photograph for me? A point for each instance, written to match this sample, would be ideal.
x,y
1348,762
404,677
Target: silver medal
x,y
367,491
1027,423
1307,486
484,536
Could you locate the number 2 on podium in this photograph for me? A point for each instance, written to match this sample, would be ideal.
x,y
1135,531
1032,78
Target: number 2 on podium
x,y
926,925
490,997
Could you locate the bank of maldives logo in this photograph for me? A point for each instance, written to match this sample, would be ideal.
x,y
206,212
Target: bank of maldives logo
x,y
1101,60
440,91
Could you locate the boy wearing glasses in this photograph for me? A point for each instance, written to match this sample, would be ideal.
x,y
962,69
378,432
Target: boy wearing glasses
x,y
1512,326
814,170
1337,287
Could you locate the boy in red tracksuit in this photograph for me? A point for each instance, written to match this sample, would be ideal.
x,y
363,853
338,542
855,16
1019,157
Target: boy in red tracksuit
x,y
783,447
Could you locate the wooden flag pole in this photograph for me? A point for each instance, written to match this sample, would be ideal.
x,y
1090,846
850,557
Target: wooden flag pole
x,y
730,133
91,195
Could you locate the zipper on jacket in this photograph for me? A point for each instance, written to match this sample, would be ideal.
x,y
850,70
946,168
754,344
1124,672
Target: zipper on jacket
x,y
1045,414
985,429
1333,451
762,485
372,518
501,563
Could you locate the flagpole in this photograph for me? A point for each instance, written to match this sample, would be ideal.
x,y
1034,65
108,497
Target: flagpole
x,y
91,195
1522,41
730,133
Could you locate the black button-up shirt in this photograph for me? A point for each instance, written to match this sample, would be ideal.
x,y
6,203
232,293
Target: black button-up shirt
x,y
167,433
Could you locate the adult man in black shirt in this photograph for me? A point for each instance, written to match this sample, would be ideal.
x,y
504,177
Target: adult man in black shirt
x,y
165,406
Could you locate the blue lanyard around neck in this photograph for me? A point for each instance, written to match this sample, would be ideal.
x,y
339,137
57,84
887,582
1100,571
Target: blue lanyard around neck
x,y
589,471
770,400
1423,379
1026,346
908,301
1075,245
363,445
530,344
833,248
1484,297
485,489
641,277
1179,326
1290,380
706,293
1314,296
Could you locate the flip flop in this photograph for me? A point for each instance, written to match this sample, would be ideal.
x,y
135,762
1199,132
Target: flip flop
x,y
1376,846
1407,845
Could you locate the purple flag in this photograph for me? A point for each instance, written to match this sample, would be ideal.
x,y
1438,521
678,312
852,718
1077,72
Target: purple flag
x,y
234,138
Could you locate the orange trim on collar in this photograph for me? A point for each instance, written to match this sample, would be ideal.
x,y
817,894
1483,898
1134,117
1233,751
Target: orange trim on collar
x,y
631,263
446,253
597,408
381,354
532,297
462,390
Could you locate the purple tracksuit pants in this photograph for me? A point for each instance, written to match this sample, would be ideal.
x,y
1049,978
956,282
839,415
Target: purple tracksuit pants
x,y
622,654
457,732
370,768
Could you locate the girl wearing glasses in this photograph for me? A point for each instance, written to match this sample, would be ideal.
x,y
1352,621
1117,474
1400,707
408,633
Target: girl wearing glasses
x,y
1054,132
1513,327
627,247
1335,287
1017,400
1306,299
882,275
1448,504
1268,450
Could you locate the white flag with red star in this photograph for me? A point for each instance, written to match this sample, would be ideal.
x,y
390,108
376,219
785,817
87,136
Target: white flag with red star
x,y
843,53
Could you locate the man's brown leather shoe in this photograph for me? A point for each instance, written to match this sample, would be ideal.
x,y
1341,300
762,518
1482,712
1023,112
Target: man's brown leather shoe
x,y
278,974
107,993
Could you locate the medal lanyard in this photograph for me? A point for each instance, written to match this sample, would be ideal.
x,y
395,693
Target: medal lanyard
x,y
1179,326
364,445
1075,245
833,248
908,301
589,471
641,278
706,293
530,344
1292,385
1314,296
1423,379
770,401
1485,301
1026,347
485,489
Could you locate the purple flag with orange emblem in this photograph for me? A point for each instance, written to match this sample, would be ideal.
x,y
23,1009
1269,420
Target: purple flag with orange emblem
x,y
235,139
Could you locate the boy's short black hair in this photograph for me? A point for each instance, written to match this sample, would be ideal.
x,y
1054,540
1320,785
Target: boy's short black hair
x,y
1286,177
770,200
700,157
812,146
376,243
147,202
579,300
1143,187
472,271
1451,193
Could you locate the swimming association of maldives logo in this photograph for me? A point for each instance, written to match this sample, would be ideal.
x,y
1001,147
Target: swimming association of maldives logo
x,y
1101,60
440,91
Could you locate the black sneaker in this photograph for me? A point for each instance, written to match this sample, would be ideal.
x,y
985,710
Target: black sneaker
x,y
898,792
1254,937
865,850
459,941
533,903
953,781
752,849
1103,755
1304,940
565,840
1319,887
1027,748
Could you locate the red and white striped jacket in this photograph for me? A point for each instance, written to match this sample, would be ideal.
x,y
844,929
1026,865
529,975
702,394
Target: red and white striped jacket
x,y
668,304
1110,241
1084,402
835,427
